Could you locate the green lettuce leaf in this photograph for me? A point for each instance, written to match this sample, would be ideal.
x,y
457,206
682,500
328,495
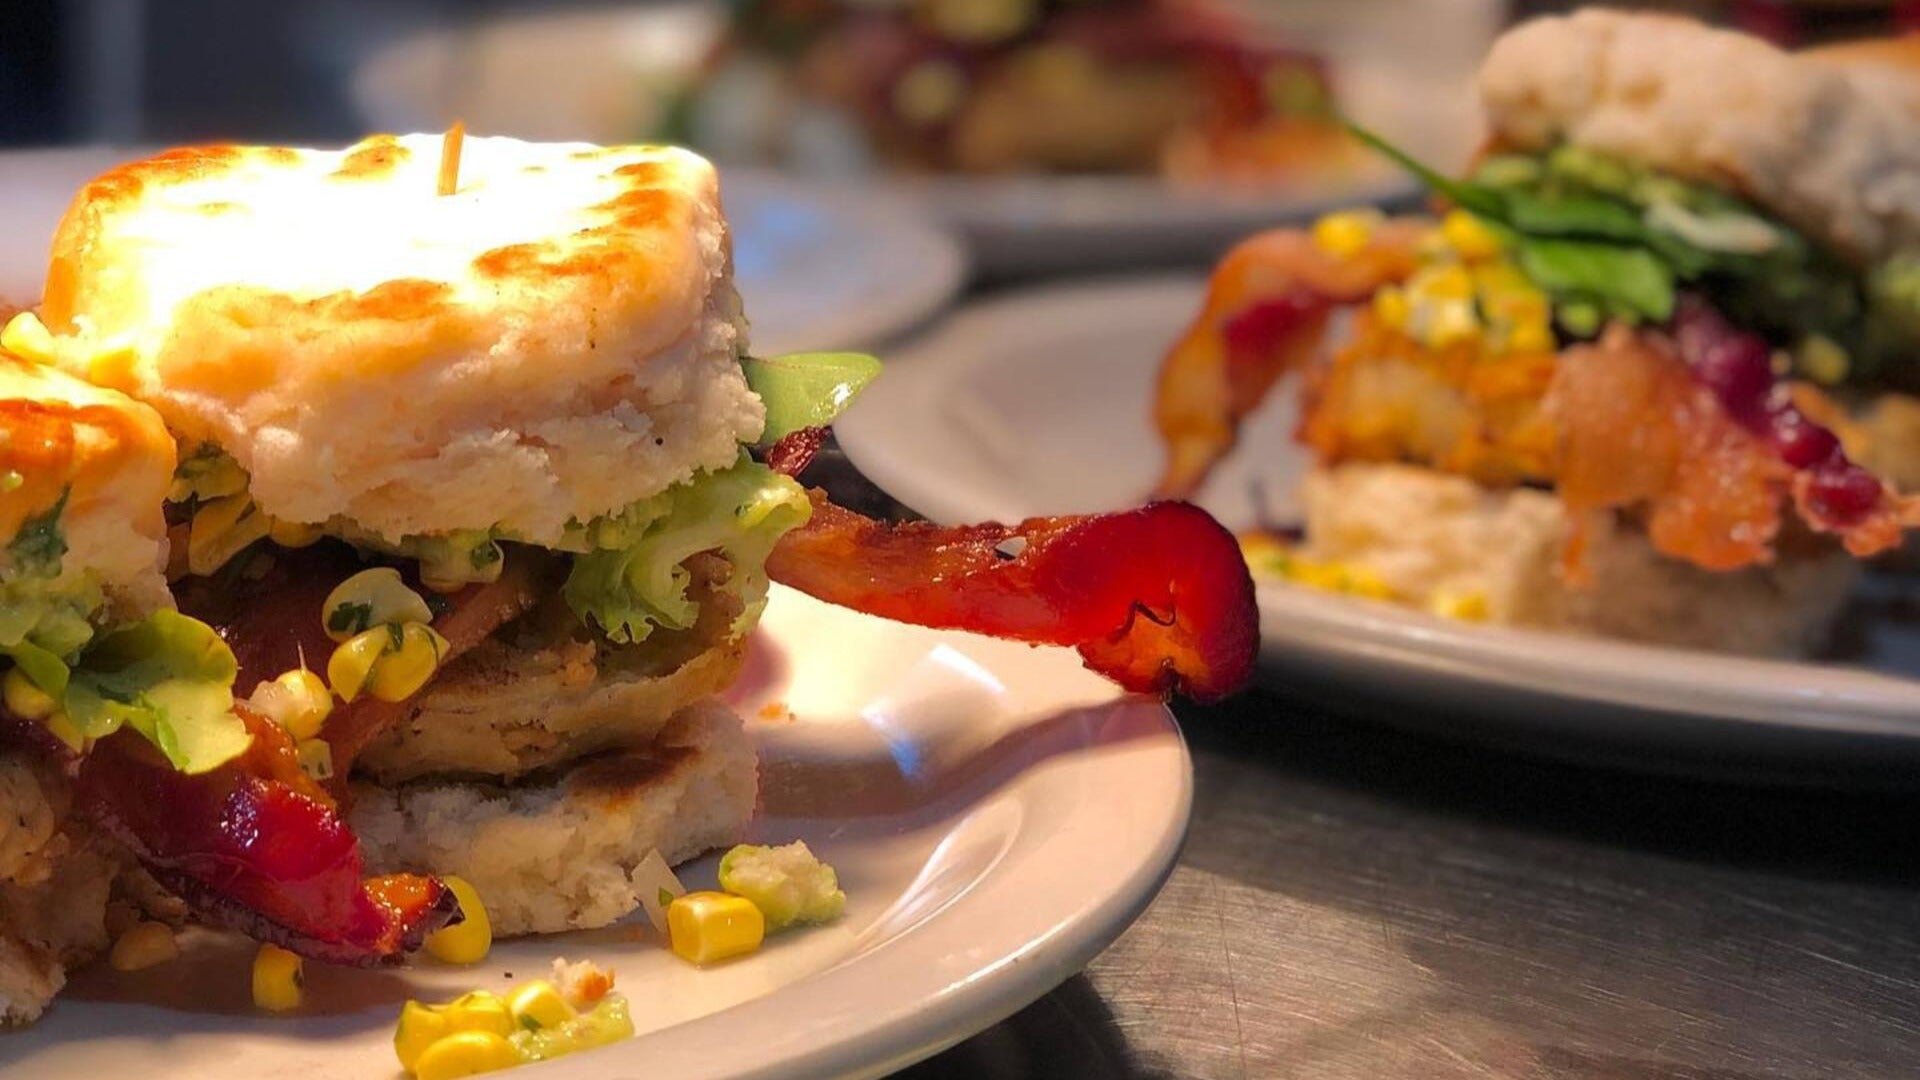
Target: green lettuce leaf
x,y
1632,283
741,511
803,390
168,677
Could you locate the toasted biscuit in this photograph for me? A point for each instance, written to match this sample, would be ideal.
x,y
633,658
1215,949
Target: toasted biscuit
x,y
1833,148
553,341
558,854
504,712
1424,533
549,694
109,457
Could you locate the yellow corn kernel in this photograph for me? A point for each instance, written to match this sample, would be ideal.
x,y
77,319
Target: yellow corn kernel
x,y
221,529
1359,581
1390,306
316,758
1314,575
710,926
481,1010
539,1005
24,699
465,1053
469,940
369,599
1445,282
63,728
1466,606
1822,360
27,336
1530,337
420,1027
143,945
298,701
352,663
1450,323
1469,236
293,534
278,979
1345,234
404,669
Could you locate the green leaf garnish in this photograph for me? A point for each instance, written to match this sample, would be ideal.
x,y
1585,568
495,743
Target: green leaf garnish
x,y
350,619
1574,247
39,545
1633,280
803,390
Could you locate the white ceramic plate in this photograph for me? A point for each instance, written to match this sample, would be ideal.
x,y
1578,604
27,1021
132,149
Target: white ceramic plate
x,y
1038,403
819,268
605,75
997,815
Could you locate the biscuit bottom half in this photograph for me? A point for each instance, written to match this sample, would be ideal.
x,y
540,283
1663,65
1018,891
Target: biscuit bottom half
x,y
1425,534
556,849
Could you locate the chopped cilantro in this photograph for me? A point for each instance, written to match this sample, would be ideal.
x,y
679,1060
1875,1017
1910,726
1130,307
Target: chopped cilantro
x,y
39,545
350,618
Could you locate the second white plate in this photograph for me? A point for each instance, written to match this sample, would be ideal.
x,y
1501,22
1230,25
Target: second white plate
x,y
1038,403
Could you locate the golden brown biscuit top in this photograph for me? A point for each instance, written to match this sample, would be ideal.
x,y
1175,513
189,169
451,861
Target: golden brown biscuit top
x,y
552,340
363,234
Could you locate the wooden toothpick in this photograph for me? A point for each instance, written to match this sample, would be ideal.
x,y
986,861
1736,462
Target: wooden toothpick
x,y
450,158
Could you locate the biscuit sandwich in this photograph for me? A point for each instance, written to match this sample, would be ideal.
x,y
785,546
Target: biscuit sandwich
x,y
462,481
1608,391
468,495
468,482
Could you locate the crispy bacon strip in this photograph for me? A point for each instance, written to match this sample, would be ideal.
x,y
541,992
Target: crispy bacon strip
x,y
1266,313
1639,427
1157,599
257,846
795,450
1831,492
1636,429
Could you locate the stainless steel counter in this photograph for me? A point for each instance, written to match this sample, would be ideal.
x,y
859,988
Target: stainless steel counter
x,y
1358,903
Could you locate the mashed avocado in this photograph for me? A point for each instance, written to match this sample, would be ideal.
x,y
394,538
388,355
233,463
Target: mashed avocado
x,y
632,579
788,884
167,677
39,604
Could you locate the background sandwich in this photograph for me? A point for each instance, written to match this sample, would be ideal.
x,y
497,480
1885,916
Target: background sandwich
x,y
1605,393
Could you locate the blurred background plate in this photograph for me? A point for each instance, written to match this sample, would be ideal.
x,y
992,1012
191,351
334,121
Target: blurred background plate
x,y
615,75
1031,225
1038,403
819,268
